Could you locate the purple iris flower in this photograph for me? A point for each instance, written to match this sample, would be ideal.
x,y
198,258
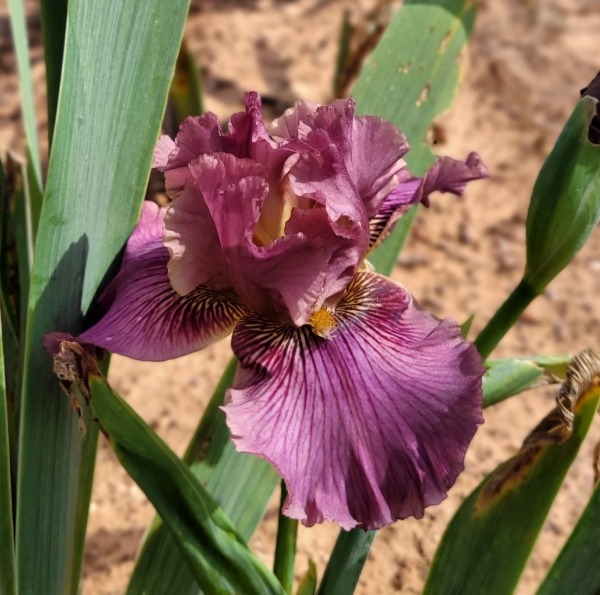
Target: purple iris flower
x,y
364,402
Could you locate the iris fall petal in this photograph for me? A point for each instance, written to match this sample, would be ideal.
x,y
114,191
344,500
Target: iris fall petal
x,y
366,427
145,318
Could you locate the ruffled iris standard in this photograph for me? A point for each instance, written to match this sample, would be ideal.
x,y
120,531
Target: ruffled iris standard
x,y
364,402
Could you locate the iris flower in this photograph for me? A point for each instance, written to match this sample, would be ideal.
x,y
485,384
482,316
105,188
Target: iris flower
x,y
364,402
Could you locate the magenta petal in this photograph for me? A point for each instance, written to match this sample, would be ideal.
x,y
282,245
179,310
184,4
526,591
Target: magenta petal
x,y
323,173
247,129
377,150
369,426
203,135
322,177
369,148
450,175
193,243
286,278
145,318
341,258
164,147
446,175
295,122
198,135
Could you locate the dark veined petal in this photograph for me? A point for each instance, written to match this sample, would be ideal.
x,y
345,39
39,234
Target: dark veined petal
x,y
145,318
446,175
368,426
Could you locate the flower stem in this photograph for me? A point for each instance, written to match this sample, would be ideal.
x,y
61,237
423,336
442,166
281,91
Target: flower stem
x,y
285,550
504,318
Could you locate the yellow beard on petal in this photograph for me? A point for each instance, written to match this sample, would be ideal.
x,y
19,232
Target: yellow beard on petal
x,y
323,323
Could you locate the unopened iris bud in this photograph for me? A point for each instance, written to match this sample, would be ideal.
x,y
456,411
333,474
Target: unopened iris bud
x,y
565,205
564,209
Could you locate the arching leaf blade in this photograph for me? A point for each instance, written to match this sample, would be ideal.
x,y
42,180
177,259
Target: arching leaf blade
x,y
490,538
576,570
412,77
240,483
213,549
19,31
117,67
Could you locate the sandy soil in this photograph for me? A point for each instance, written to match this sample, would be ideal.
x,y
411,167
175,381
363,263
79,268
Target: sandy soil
x,y
522,73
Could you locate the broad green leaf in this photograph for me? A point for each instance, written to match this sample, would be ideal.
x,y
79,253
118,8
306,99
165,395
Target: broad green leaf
x,y
54,25
552,365
489,539
19,31
564,209
346,562
35,196
556,365
7,548
240,483
285,546
117,66
217,556
210,423
576,570
505,378
411,78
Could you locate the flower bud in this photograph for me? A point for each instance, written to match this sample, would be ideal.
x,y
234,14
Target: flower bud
x,y
565,204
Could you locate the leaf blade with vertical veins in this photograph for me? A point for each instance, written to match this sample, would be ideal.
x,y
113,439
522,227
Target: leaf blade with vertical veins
x,y
576,570
411,78
240,483
19,31
54,25
117,66
216,554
